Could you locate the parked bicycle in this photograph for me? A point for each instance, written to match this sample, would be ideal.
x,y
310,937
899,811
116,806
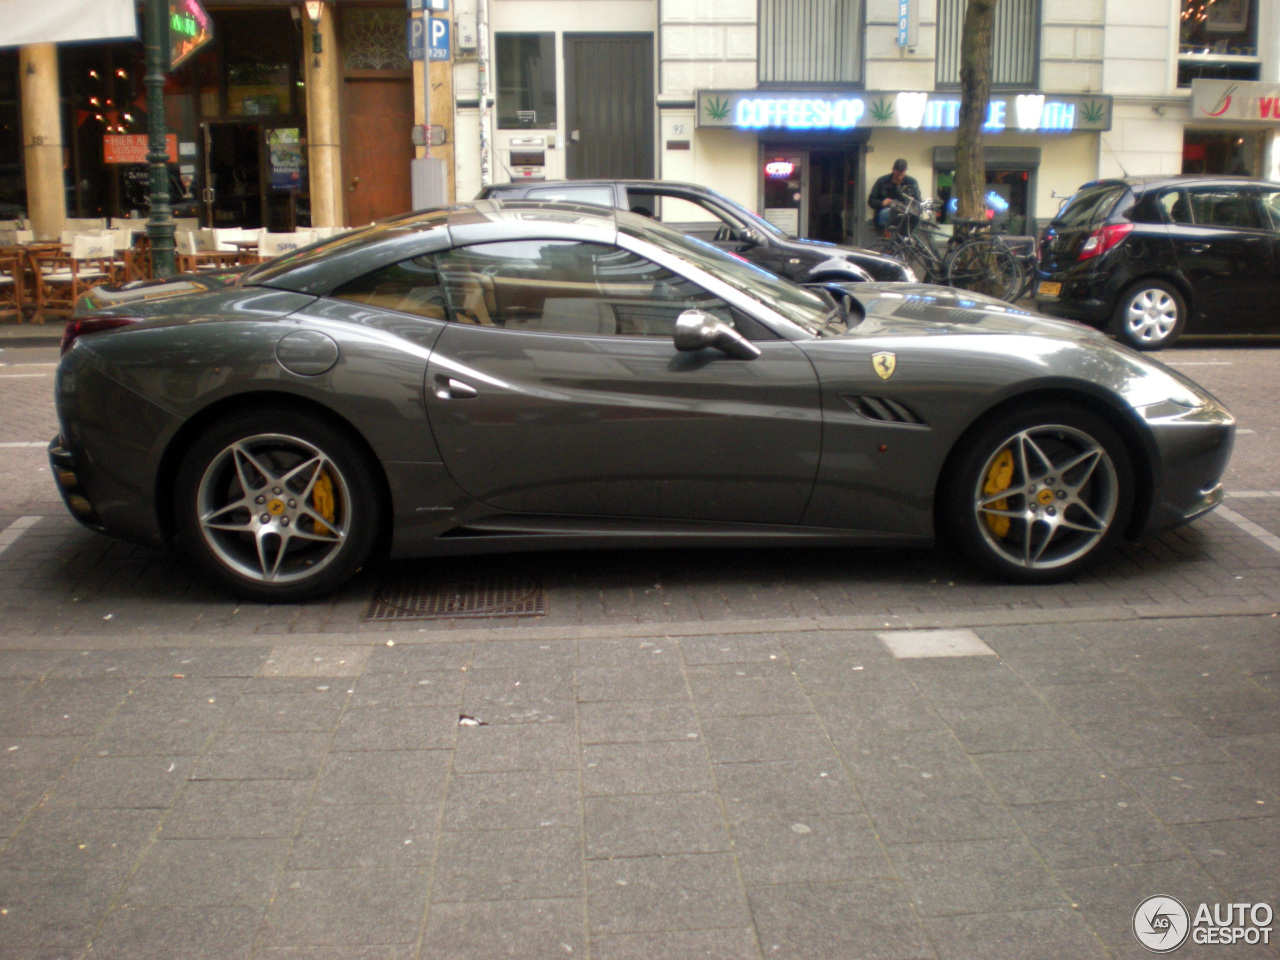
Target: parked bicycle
x,y
972,257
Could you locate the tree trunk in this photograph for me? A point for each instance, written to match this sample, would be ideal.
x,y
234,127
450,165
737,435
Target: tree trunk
x,y
975,94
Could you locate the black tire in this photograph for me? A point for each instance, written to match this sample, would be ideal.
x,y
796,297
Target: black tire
x,y
1023,519
1149,315
308,520
987,267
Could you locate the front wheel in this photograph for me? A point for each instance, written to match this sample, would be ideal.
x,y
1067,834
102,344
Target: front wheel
x,y
1150,315
1038,495
278,504
987,267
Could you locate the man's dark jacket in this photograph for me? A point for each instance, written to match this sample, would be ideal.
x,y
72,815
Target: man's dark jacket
x,y
885,187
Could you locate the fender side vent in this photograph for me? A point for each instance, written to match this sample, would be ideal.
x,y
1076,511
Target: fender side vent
x,y
883,410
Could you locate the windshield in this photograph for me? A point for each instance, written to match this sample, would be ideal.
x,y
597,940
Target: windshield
x,y
802,307
1090,205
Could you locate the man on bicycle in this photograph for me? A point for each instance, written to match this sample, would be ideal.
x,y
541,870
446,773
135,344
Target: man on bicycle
x,y
895,185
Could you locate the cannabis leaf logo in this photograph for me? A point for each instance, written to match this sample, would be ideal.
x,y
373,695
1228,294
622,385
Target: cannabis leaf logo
x,y
717,109
882,109
1093,112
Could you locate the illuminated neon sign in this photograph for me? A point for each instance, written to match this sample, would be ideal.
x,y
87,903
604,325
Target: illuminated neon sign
x,y
901,110
779,169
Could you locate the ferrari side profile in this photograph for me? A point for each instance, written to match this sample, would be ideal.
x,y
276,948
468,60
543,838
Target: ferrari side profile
x,y
500,376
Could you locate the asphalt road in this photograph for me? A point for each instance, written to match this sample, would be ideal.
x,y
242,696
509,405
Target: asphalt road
x,y
725,754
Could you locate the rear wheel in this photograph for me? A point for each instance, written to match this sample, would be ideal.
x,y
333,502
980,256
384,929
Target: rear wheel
x,y
1038,495
1150,315
987,267
277,504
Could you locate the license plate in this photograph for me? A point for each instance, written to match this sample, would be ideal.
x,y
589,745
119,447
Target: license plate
x,y
1048,288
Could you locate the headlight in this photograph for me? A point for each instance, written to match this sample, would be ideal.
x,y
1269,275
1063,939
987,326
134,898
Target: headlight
x,y
1156,393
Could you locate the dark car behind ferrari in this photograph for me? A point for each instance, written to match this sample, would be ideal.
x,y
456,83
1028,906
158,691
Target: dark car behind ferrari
x,y
723,222
1153,258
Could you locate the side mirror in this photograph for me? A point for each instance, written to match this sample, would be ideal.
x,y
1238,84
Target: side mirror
x,y
697,330
750,237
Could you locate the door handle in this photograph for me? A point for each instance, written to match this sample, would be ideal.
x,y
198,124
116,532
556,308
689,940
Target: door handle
x,y
354,182
448,388
1197,247
575,135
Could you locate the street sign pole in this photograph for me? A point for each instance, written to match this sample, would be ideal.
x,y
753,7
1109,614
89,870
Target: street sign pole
x,y
160,223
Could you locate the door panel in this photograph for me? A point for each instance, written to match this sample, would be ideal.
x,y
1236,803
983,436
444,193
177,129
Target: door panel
x,y
377,148
609,105
612,426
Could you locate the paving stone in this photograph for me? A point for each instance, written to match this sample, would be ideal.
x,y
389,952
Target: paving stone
x,y
964,681
38,758
941,877
750,739
58,908
923,644
1107,896
346,907
1240,855
1234,713
312,661
1119,700
1095,833
610,684
788,788
1029,935
516,746
506,930
238,809
214,661
392,776
247,755
1191,793
616,768
537,864
402,951
1260,755
62,707
926,763
207,873
856,676
1005,728
421,688
1047,776
317,709
637,721
97,664
121,782
732,944
366,835
1054,660
69,839
28,664
409,657
520,695
901,820
524,653
875,716
747,689
819,922
161,933
628,652
513,801
646,825
141,736
821,849
397,728
686,892
734,648
1151,743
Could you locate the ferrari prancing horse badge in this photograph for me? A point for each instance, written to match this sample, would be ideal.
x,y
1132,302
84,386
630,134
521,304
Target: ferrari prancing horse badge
x,y
884,364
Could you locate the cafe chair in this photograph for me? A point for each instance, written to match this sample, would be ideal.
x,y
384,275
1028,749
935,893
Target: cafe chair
x,y
61,276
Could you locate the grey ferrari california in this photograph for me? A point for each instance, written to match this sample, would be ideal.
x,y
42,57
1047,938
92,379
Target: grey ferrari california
x,y
520,376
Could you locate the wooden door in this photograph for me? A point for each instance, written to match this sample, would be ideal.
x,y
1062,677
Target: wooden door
x,y
609,101
377,148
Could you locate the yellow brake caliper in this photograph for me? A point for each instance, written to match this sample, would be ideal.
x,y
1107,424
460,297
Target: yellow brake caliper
x,y
999,479
322,500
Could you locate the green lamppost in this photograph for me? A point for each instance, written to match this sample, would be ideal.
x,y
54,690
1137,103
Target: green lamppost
x,y
160,224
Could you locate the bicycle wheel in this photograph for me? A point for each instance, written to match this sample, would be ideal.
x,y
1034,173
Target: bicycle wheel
x,y
986,266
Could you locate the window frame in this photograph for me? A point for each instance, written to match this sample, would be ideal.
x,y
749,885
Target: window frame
x,y
1033,58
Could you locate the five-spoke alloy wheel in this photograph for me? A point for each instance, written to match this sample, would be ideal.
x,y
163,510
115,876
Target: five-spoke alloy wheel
x,y
1150,315
278,504
1038,495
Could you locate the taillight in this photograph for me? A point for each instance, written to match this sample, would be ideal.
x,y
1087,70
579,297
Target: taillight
x,y
77,328
1100,241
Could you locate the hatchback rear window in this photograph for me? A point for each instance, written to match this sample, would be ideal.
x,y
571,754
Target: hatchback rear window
x,y
1090,205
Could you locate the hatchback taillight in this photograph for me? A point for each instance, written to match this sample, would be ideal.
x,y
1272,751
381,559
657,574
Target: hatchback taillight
x,y
82,325
1102,240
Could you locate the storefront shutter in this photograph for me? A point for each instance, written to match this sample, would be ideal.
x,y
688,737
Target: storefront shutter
x,y
810,41
1014,49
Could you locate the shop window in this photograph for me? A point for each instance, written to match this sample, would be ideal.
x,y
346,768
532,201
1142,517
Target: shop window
x,y
258,48
526,65
1218,40
810,41
1230,152
1007,193
374,39
1015,43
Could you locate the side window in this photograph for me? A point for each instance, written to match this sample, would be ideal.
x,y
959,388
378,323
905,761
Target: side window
x,y
562,286
411,286
1225,207
1271,204
1176,207
600,196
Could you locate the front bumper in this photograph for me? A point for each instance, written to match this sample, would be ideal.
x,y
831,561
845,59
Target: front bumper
x,y
1193,455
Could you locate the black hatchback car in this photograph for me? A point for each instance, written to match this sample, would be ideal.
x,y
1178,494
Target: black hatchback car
x,y
701,212
1153,258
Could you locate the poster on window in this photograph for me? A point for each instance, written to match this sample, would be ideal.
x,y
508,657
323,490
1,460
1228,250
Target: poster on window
x,y
1228,16
285,153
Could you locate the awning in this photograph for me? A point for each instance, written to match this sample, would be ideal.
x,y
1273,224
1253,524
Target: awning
x,y
57,21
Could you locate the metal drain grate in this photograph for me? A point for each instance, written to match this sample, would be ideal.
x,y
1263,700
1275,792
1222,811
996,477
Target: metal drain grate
x,y
426,598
